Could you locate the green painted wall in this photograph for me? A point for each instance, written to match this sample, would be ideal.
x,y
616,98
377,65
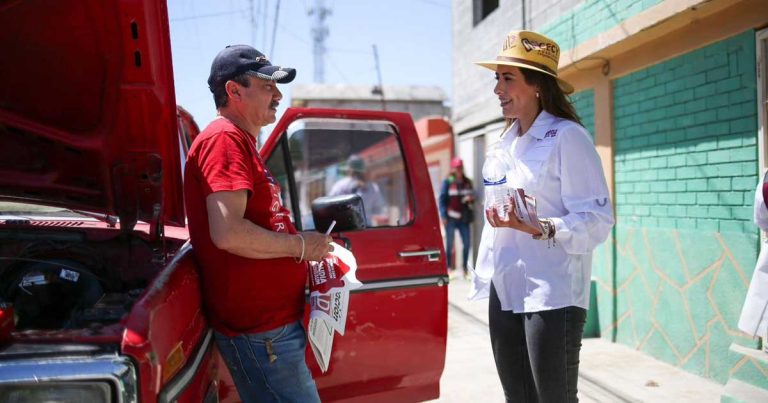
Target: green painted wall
x,y
601,305
685,172
584,103
591,18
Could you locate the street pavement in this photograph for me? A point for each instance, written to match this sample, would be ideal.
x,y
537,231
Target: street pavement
x,y
608,372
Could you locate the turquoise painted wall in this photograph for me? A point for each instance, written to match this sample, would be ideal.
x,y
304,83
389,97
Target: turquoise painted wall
x,y
584,103
601,305
591,18
685,174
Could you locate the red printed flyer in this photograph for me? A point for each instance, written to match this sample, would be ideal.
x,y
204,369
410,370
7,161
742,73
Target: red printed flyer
x,y
330,281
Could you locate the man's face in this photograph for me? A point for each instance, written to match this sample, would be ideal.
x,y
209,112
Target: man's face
x,y
260,100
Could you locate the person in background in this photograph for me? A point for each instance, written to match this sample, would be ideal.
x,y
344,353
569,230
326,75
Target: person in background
x,y
355,182
538,277
457,197
253,262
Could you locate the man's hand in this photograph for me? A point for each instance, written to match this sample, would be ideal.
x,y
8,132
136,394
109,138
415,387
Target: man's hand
x,y
316,245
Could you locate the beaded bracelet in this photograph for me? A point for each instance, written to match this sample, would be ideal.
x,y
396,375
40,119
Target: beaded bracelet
x,y
301,259
547,228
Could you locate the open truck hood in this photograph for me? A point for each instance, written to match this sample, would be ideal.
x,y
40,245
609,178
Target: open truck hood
x,y
87,108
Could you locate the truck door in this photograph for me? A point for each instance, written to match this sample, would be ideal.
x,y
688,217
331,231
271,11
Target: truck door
x,y
394,345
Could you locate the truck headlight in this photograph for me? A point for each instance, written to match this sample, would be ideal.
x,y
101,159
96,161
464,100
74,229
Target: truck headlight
x,y
106,378
56,392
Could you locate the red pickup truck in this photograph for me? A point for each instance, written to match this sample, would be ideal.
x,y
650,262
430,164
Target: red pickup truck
x,y
99,291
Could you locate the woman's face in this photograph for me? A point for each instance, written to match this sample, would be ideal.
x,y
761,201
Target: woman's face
x,y
517,98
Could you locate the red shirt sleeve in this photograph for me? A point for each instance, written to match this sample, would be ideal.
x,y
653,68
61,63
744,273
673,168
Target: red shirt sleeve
x,y
225,163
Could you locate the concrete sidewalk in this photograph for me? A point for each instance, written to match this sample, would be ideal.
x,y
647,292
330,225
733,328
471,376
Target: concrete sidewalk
x,y
608,371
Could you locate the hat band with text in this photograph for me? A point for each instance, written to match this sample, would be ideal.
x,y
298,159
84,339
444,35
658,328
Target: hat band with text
x,y
526,62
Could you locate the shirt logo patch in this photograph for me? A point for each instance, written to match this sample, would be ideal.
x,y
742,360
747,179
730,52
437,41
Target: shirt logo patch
x,y
551,133
601,203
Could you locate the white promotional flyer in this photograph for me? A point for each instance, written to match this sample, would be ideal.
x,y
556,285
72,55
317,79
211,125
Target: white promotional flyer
x,y
330,281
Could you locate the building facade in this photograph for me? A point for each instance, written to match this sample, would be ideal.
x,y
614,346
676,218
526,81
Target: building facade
x,y
674,93
419,101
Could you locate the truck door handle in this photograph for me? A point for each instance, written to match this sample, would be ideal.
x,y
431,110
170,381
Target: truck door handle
x,y
432,255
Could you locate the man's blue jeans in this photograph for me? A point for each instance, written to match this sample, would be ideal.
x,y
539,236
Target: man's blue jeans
x,y
285,379
451,225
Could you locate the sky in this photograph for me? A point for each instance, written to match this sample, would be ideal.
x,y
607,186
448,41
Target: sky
x,y
413,40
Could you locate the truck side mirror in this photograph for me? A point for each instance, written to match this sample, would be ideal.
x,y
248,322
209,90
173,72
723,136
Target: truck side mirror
x,y
347,210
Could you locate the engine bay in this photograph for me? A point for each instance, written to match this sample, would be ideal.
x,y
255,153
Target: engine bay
x,y
70,280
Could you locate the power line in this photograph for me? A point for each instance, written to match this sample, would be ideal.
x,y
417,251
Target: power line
x,y
435,3
290,32
338,70
211,15
274,30
378,73
264,5
340,50
253,22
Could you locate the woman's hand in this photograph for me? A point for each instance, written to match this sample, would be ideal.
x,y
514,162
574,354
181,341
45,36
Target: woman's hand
x,y
511,222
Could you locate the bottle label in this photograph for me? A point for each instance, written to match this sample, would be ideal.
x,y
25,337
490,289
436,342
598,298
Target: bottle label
x,y
501,181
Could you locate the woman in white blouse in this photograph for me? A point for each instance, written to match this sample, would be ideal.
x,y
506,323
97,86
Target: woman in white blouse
x,y
538,276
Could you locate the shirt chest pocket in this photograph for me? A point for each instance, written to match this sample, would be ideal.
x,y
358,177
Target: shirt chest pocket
x,y
533,163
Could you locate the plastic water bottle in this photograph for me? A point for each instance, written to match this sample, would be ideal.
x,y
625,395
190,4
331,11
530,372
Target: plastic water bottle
x,y
495,180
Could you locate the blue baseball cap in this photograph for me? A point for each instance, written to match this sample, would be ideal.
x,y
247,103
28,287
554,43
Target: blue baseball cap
x,y
238,59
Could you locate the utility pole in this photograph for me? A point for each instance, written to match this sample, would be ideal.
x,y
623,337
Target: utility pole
x,y
253,24
319,33
264,4
380,88
274,29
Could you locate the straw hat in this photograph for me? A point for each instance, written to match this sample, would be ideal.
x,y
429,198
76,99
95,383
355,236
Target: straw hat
x,y
530,50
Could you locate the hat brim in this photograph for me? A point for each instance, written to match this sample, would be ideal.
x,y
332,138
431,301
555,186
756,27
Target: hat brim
x,y
282,75
491,65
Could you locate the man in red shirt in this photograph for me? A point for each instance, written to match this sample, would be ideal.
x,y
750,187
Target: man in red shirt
x,y
252,259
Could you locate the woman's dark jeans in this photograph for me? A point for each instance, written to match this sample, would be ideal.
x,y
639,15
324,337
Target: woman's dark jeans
x,y
537,354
